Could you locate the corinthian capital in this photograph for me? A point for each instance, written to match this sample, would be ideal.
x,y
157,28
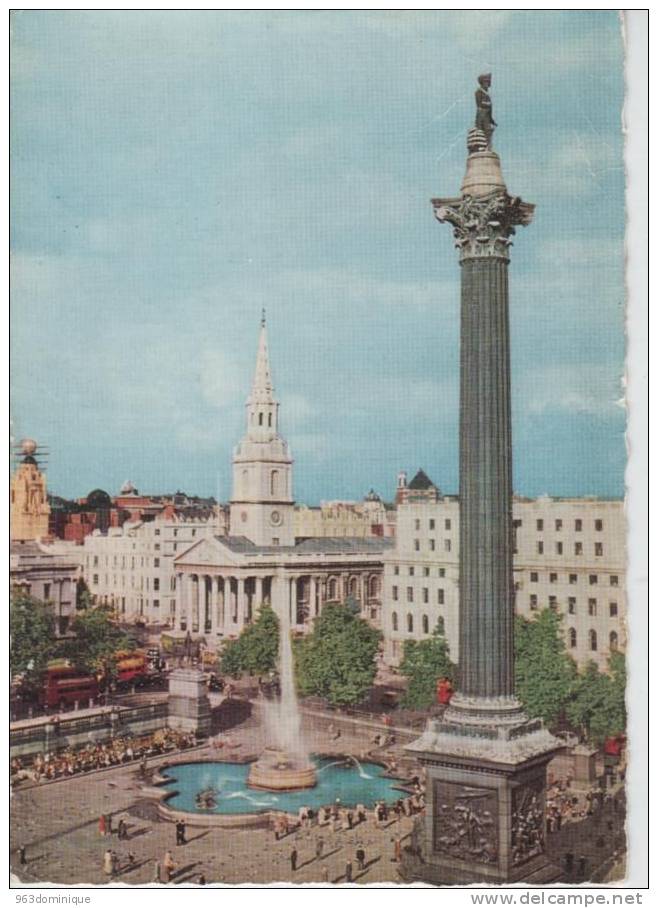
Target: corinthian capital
x,y
483,226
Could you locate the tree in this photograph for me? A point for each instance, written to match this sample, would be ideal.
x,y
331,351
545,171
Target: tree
x,y
96,642
597,705
83,596
545,673
33,642
338,659
424,662
256,649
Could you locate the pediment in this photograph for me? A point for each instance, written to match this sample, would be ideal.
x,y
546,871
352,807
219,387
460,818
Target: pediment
x,y
207,551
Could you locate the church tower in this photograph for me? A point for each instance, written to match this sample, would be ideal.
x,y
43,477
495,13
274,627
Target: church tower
x,y
262,502
29,503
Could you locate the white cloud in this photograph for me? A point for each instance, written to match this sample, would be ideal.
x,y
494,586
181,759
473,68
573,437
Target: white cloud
x,y
588,389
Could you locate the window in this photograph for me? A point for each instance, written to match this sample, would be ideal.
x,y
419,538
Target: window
x,y
448,524
552,603
540,526
157,547
394,621
95,560
598,548
447,545
441,597
156,562
275,540
441,625
156,584
578,548
540,548
173,583
598,525
426,595
396,569
157,532
260,419
591,607
410,594
175,532
572,605
274,482
573,578
426,624
194,532
432,524
269,420
417,524
410,623
614,640
94,580
442,572
156,603
578,526
593,579
614,580
426,572
417,545
572,637
558,525
559,548
533,601
412,571
552,578
613,609
432,545
593,645
534,577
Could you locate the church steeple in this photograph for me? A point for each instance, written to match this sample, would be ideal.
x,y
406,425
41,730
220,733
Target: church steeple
x,y
262,502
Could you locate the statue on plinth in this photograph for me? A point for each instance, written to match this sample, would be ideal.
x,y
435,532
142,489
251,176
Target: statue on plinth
x,y
484,121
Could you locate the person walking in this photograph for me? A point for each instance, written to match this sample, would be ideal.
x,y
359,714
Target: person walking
x,y
122,829
168,867
156,873
319,848
22,859
397,849
102,828
108,868
348,871
202,880
115,864
293,860
360,855
324,874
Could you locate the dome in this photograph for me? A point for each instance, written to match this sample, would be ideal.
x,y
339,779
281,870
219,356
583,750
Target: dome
x,y
99,499
28,446
127,488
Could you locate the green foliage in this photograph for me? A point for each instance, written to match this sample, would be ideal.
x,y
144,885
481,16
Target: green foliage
x,y
423,663
97,640
83,598
256,649
33,641
597,705
545,674
338,659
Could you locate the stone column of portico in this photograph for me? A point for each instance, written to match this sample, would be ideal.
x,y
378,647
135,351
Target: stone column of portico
x,y
241,603
259,592
293,601
312,606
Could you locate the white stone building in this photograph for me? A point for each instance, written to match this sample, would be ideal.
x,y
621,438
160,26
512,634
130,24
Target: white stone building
x,y
222,580
370,517
132,567
569,555
48,573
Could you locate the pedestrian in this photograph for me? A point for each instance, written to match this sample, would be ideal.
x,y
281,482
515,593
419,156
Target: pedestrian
x,y
319,848
108,867
350,819
324,874
397,846
122,829
102,828
202,880
22,859
348,871
360,856
131,859
168,867
115,863
293,860
108,824
582,867
156,872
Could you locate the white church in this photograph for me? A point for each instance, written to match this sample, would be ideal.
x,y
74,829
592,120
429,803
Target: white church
x,y
221,581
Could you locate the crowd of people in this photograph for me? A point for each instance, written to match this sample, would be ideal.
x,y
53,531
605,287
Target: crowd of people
x,y
69,762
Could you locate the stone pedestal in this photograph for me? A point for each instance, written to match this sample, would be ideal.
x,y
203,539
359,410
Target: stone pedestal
x,y
189,706
584,765
485,805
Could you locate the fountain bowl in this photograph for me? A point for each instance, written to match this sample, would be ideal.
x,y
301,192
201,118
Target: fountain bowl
x,y
276,770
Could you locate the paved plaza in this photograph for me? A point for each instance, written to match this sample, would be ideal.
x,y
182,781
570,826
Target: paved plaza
x,y
58,824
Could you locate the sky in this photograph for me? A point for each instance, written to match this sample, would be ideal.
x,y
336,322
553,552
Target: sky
x,y
175,172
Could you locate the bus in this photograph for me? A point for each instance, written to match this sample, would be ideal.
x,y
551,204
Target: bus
x,y
64,686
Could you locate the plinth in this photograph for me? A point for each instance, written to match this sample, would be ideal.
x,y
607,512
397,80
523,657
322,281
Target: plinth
x,y
188,703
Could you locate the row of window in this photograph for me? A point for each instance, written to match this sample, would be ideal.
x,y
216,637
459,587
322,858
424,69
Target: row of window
x,y
144,560
411,570
156,581
592,639
577,525
447,545
592,605
425,593
432,524
577,548
573,578
425,623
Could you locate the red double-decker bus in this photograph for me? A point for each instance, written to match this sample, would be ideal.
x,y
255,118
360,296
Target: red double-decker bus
x,y
64,686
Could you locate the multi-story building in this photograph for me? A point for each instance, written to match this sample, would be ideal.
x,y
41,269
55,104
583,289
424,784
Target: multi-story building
x,y
48,573
569,556
370,517
222,580
29,508
131,567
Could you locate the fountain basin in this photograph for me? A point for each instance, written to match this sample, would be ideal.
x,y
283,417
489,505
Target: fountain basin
x,y
277,771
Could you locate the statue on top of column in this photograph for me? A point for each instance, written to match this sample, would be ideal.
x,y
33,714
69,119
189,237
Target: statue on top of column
x,y
484,120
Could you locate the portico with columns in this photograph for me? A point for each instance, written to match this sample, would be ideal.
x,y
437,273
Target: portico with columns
x,y
222,581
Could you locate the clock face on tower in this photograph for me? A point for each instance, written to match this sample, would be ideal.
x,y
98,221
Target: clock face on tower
x,y
275,518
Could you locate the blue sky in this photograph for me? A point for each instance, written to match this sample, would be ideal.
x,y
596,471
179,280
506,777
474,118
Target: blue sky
x,y
173,172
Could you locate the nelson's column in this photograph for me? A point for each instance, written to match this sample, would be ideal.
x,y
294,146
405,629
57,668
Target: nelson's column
x,y
485,760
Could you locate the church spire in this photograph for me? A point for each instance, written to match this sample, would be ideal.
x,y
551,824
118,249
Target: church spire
x,y
262,390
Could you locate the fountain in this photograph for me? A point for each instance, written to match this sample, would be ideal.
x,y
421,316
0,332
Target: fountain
x,y
285,766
